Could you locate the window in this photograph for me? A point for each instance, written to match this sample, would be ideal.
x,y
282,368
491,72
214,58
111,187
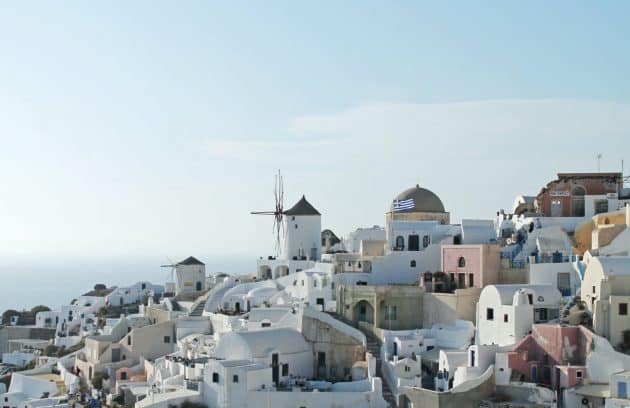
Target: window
x,y
505,318
426,240
285,370
530,298
471,280
123,375
461,263
167,339
215,377
593,289
400,243
235,378
578,374
601,206
266,324
390,312
489,313
623,309
129,340
412,264
540,315
407,369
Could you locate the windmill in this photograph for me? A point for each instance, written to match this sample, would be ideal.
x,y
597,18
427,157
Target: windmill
x,y
173,267
278,212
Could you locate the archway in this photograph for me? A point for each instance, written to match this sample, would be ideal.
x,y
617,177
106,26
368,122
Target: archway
x,y
281,271
264,272
364,312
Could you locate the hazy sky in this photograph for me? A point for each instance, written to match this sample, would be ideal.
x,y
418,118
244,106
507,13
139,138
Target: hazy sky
x,y
152,128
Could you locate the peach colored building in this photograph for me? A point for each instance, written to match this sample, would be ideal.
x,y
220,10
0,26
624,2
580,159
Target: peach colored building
x,y
470,266
552,355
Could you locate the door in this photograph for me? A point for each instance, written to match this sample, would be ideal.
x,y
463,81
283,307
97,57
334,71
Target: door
x,y
414,243
362,313
115,355
395,348
622,390
556,208
321,364
564,283
237,306
275,369
535,373
472,358
198,286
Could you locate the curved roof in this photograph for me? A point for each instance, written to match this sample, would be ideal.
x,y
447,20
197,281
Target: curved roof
x,y
248,345
506,293
423,201
302,207
613,265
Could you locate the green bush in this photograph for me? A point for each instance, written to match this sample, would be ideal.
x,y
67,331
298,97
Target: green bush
x,y
39,308
97,380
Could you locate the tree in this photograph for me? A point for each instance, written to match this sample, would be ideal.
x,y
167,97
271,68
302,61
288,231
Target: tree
x,y
51,350
100,286
39,308
97,380
6,316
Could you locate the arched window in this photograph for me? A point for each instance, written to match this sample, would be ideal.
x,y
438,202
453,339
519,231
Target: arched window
x,y
577,201
461,262
400,242
412,263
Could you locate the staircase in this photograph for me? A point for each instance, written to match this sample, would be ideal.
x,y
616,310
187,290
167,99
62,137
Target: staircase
x,y
199,305
374,347
197,309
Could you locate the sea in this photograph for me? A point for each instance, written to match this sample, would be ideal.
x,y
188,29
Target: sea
x,y
25,283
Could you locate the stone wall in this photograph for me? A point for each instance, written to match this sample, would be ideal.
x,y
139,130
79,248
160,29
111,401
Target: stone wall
x,y
342,351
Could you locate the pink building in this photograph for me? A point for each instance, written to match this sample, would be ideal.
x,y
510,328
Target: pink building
x,y
552,355
467,266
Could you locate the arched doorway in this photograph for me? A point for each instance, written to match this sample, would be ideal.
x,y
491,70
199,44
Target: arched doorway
x,y
264,272
364,312
198,286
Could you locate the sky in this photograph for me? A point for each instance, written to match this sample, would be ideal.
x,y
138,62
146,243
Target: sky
x,y
150,129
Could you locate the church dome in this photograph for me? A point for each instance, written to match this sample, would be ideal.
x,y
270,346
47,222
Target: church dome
x,y
417,199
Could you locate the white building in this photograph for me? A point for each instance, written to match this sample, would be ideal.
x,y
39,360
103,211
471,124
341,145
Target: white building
x,y
302,245
606,291
505,313
190,276
352,242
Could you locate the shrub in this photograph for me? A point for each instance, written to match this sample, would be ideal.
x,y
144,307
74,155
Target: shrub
x,y
39,308
97,380
6,316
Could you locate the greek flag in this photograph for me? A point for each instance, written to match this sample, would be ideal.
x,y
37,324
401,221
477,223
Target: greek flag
x,y
401,205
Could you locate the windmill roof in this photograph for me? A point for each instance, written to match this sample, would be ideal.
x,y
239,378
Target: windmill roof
x,y
191,260
302,207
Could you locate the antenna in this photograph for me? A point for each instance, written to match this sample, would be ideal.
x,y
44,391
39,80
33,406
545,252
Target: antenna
x,y
278,212
599,158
